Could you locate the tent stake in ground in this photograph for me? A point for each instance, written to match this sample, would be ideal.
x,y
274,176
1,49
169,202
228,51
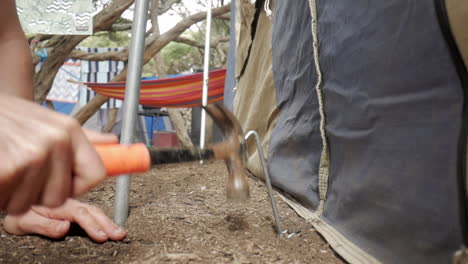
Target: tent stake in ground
x,y
274,208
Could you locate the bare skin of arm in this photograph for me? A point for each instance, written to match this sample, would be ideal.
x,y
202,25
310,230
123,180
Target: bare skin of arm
x,y
46,157
16,72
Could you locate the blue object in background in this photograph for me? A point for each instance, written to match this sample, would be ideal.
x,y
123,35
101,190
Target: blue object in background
x,y
156,77
153,124
64,108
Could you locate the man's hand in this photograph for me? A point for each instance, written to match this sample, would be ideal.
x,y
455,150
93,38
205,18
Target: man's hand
x,y
45,157
55,223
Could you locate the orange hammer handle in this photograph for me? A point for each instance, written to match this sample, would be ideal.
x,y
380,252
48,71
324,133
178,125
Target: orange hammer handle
x,y
122,159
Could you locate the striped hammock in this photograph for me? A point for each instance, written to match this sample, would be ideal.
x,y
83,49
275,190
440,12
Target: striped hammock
x,y
182,91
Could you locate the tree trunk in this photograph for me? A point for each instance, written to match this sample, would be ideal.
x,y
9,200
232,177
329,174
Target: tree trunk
x,y
175,114
158,62
90,108
111,120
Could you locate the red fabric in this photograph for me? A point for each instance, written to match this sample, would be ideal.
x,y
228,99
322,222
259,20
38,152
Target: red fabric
x,y
182,91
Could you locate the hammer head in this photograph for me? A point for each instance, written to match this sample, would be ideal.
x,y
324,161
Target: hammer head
x,y
231,150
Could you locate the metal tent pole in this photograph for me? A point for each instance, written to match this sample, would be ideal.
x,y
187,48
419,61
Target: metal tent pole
x,y
130,107
206,68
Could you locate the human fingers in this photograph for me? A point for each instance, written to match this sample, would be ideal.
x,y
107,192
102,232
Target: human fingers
x,y
57,174
77,214
87,166
26,193
114,231
68,139
34,223
28,155
23,152
58,185
7,189
100,138
29,188
90,219
23,161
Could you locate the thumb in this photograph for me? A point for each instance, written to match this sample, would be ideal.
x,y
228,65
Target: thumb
x,y
33,223
100,138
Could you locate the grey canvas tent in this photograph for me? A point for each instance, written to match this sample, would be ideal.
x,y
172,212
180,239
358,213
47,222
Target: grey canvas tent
x,y
360,108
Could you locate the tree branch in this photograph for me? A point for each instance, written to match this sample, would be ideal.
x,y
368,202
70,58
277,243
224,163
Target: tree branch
x,y
154,47
121,27
123,54
225,17
102,56
164,39
194,43
166,6
65,44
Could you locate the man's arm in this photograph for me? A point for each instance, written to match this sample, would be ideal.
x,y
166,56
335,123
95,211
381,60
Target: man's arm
x,y
16,72
48,179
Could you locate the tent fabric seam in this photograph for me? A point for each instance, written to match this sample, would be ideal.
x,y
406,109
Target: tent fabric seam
x,y
324,157
340,244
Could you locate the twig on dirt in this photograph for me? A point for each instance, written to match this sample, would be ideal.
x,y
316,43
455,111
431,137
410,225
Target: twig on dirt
x,y
178,257
27,247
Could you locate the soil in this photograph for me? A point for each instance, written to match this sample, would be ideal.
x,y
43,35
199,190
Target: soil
x,y
179,214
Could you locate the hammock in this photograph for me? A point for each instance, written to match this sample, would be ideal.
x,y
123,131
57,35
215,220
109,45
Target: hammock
x,y
182,91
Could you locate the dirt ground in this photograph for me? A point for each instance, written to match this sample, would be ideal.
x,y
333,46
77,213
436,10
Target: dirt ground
x,y
179,214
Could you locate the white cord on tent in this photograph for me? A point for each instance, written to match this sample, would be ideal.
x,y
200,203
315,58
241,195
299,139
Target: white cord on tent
x,y
324,165
253,2
267,8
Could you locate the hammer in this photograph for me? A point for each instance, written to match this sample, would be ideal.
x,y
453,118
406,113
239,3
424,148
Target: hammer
x,y
123,159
